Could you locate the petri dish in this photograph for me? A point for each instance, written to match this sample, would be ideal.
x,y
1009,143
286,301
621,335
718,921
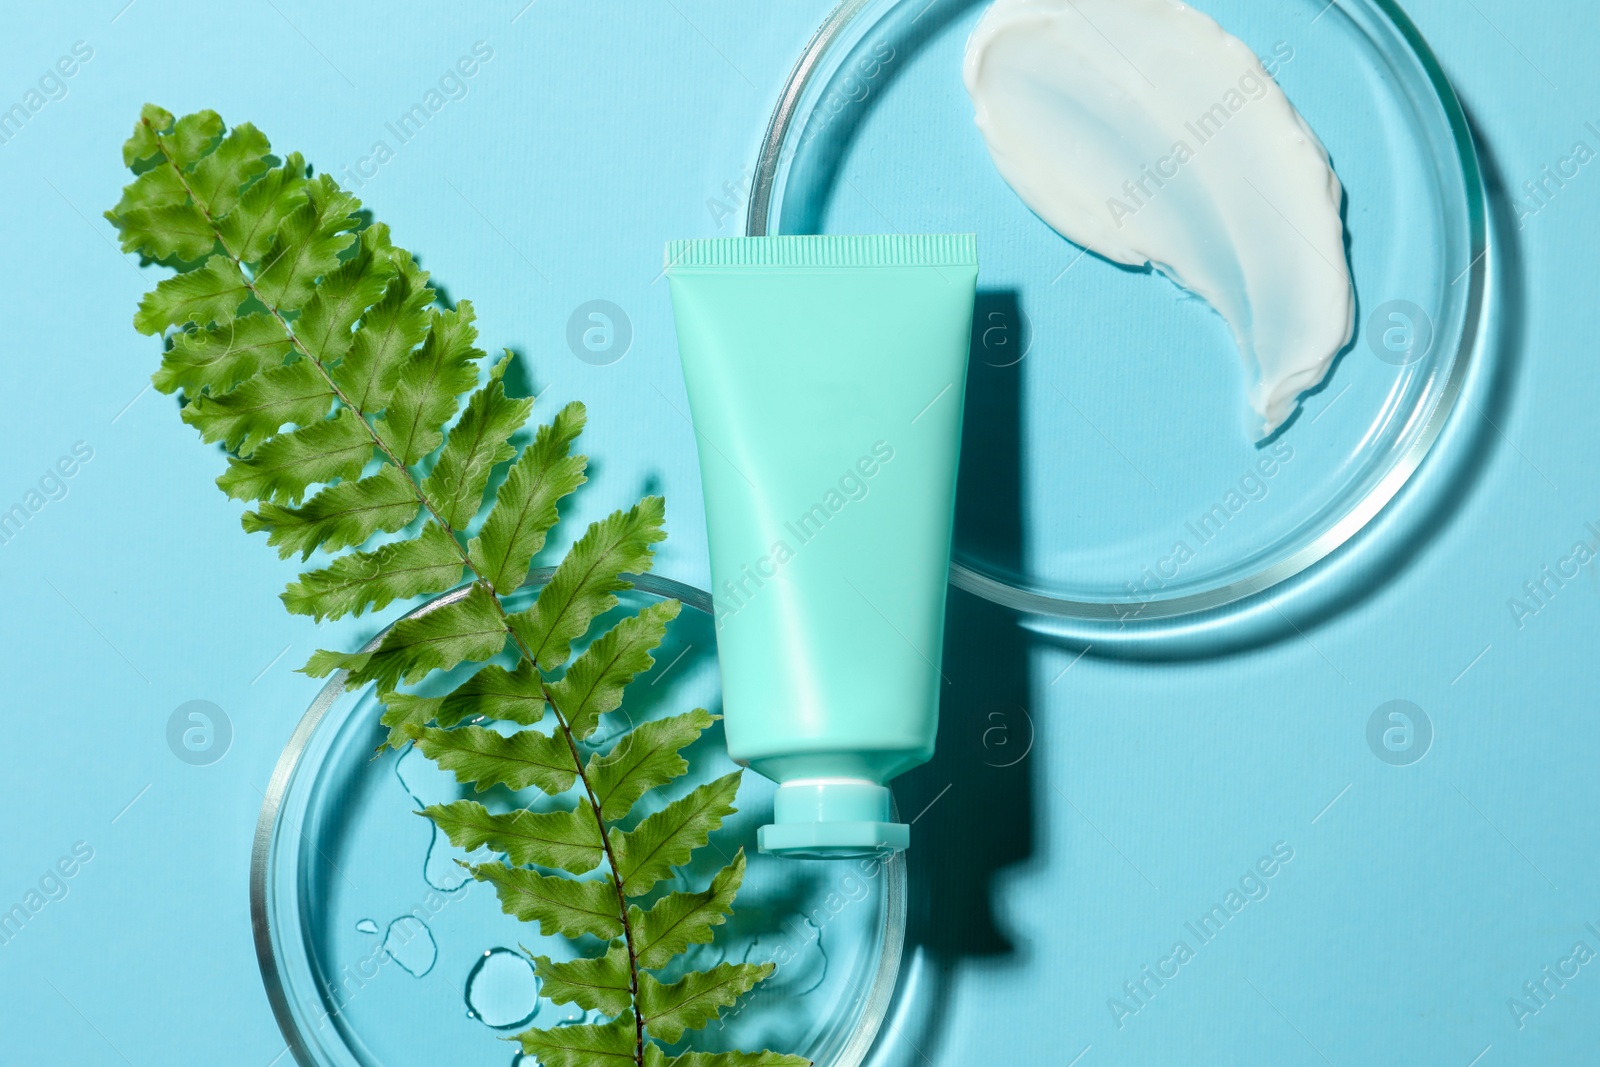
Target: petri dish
x,y
1109,477
376,950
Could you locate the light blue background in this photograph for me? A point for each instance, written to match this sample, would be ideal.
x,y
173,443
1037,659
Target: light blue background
x,y
1419,899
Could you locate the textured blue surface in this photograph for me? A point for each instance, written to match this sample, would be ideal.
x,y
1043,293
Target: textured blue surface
x,y
1419,898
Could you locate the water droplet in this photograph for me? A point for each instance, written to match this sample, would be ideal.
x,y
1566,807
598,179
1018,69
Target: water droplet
x,y
502,990
423,779
410,943
440,868
427,784
571,1015
367,926
806,965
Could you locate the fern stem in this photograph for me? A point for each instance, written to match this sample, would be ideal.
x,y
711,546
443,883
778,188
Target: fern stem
x,y
466,561
616,875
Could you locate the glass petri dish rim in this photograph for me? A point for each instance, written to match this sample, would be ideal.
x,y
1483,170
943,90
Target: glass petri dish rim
x,y
853,1049
1361,512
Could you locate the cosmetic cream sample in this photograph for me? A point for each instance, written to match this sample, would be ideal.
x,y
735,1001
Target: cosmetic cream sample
x,y
1143,131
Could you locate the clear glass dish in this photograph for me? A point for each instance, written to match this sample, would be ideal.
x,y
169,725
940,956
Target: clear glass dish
x,y
377,950
1106,424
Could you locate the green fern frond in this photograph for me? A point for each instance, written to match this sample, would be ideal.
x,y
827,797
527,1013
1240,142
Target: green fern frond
x,y
215,359
601,983
209,295
306,246
219,178
470,629
568,839
479,441
430,386
642,759
525,508
494,692
387,333
587,581
251,227
615,1042
559,905
695,999
313,350
244,417
679,920
487,758
340,299
339,516
593,685
284,467
654,1057
427,563
647,853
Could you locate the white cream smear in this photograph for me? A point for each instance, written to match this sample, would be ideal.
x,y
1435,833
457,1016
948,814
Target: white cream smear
x,y
1145,132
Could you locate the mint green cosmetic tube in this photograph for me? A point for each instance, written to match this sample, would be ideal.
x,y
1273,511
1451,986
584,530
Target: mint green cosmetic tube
x,y
825,378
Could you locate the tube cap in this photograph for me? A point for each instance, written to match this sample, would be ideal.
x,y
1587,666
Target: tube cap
x,y
832,818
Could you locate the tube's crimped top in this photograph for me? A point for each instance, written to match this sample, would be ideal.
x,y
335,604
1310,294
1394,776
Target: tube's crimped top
x,y
830,250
